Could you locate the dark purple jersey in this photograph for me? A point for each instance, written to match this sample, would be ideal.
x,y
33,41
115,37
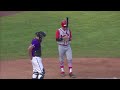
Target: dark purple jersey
x,y
37,47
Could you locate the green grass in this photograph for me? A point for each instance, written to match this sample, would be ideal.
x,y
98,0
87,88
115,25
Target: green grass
x,y
95,33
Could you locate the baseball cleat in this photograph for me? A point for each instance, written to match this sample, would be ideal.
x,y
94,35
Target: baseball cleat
x,y
63,74
72,75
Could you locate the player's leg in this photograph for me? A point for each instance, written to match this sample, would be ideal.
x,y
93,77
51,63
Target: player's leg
x,y
35,73
41,69
61,59
69,59
37,68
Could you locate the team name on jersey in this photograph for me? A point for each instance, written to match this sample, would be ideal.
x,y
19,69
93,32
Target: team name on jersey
x,y
62,34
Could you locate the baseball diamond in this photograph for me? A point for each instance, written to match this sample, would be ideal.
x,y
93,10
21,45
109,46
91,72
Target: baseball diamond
x,y
95,44
85,68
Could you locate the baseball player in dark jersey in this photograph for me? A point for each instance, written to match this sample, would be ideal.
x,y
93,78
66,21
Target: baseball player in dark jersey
x,y
34,51
63,38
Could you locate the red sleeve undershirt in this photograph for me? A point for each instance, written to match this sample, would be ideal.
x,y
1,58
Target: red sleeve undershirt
x,y
57,34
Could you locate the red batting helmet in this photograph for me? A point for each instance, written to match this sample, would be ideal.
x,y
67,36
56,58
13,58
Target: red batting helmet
x,y
64,23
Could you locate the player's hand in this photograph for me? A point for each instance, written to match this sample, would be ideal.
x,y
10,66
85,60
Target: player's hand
x,y
65,38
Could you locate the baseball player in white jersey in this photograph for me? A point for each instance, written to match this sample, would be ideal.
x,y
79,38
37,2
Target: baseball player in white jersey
x,y
63,38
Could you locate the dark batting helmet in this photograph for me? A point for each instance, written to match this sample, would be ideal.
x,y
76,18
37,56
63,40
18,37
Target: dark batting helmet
x,y
40,34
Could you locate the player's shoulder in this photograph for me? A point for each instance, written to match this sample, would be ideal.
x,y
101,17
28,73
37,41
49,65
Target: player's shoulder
x,y
57,30
34,40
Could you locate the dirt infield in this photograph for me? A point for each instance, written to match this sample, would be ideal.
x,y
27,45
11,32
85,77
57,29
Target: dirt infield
x,y
83,68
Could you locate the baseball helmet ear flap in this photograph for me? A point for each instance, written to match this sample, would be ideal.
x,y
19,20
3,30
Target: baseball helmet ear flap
x,y
64,23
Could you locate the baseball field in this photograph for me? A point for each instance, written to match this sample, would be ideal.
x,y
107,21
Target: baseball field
x,y
95,43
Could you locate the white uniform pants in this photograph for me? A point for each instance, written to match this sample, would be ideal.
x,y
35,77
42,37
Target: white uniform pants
x,y
37,67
